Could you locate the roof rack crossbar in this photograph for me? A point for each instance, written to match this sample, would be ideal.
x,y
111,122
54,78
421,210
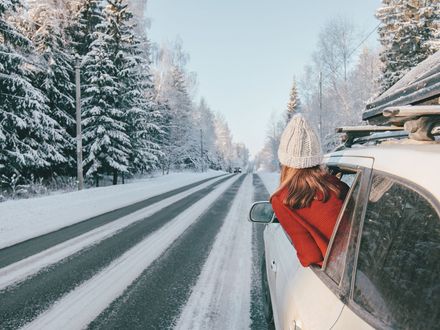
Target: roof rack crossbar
x,y
367,129
355,132
412,111
381,136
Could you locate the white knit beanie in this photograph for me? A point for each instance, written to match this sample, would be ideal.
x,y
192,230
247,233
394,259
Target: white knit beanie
x,y
299,145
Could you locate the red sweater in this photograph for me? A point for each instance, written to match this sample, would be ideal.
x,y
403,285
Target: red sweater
x,y
310,228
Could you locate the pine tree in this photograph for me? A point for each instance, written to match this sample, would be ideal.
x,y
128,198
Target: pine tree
x,y
206,120
173,86
224,143
47,33
135,98
107,145
30,140
409,34
183,147
162,138
184,133
87,17
294,102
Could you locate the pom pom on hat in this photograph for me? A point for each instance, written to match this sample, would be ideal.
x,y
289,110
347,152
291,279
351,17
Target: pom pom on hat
x,y
299,145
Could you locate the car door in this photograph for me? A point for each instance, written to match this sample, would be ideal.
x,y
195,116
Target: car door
x,y
395,281
283,265
307,298
274,240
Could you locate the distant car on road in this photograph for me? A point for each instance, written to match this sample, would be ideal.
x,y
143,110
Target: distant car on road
x,y
237,170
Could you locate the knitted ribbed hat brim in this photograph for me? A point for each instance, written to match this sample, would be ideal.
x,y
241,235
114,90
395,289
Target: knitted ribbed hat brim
x,y
300,162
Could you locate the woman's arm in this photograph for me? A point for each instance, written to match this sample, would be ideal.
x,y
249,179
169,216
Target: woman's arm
x,y
306,249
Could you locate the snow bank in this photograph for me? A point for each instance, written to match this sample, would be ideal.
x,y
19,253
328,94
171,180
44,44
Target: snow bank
x,y
270,179
24,219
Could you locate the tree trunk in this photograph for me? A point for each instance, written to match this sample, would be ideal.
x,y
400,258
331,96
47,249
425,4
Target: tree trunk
x,y
115,177
123,178
96,180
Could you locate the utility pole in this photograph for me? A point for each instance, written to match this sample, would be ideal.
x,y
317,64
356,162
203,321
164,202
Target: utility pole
x,y
320,106
78,124
201,150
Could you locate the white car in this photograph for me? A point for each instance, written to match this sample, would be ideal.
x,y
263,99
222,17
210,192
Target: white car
x,y
382,267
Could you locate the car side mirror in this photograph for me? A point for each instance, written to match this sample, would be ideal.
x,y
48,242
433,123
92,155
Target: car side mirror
x,y
261,212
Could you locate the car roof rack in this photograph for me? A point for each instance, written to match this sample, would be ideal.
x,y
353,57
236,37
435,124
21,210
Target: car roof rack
x,y
355,134
418,122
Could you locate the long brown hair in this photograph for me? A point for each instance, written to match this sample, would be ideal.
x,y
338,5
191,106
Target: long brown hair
x,y
306,184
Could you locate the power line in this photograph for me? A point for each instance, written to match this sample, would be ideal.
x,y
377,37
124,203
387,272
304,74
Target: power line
x,y
363,40
341,62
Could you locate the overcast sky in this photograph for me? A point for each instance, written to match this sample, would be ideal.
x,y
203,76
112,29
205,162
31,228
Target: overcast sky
x,y
245,52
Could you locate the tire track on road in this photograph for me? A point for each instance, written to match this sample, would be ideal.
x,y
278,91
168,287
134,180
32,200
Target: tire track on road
x,y
23,302
221,297
19,251
156,298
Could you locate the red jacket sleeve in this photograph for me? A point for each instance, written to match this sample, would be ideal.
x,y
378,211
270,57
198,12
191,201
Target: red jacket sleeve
x,y
306,249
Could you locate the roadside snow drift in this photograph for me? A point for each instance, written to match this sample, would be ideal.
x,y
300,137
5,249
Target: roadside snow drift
x,y
24,219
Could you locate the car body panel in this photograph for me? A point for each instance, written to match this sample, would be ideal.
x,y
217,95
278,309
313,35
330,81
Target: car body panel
x,y
295,289
350,320
309,303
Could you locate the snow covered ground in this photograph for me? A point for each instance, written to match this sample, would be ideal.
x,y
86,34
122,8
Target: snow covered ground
x,y
270,179
24,219
78,308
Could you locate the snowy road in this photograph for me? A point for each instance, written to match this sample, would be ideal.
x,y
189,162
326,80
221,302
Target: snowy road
x,y
187,259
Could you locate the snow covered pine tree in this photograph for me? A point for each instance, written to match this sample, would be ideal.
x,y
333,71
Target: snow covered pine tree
x,y
47,31
106,143
294,102
136,95
409,33
30,140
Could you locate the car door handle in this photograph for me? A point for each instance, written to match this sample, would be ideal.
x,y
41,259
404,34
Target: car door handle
x,y
273,266
296,326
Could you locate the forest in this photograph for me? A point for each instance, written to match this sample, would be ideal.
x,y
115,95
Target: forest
x,y
138,110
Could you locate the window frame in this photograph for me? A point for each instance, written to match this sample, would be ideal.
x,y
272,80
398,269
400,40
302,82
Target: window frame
x,y
342,290
430,198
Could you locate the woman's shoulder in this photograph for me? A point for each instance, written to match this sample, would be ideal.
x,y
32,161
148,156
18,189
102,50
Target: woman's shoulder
x,y
278,196
280,193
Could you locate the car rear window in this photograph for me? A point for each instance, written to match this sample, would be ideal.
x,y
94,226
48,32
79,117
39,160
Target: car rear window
x,y
398,270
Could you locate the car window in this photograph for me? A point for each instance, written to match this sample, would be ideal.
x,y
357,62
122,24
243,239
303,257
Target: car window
x,y
398,270
338,250
348,178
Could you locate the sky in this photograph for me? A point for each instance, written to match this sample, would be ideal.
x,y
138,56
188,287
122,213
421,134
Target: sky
x,y
246,52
